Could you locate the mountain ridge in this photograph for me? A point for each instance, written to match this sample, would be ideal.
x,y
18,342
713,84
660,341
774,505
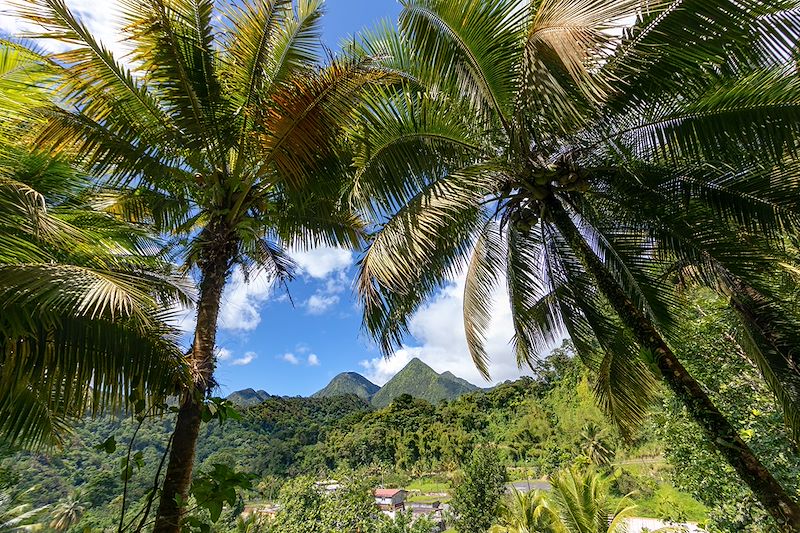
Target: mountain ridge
x,y
419,380
248,397
416,379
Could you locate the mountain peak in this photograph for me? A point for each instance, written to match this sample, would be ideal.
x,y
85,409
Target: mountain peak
x,y
348,383
248,397
421,381
417,364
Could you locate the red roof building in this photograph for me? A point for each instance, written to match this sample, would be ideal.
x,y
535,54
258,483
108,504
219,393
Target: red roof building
x,y
390,499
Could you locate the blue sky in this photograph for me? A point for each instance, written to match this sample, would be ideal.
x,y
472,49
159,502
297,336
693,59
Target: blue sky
x,y
293,344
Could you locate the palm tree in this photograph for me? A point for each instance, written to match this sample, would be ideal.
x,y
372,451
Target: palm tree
x,y
583,506
595,445
81,293
227,130
577,503
66,514
15,516
587,154
527,512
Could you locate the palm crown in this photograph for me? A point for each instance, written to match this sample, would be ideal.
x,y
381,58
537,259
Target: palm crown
x,y
586,154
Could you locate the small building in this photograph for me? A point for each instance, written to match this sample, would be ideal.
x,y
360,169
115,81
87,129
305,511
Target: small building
x,y
329,485
430,510
390,500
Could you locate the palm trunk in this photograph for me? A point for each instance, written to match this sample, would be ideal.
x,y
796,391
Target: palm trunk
x,y
719,431
214,268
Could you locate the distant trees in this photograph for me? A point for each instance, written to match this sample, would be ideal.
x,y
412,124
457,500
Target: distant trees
x,y
477,496
596,446
306,508
66,514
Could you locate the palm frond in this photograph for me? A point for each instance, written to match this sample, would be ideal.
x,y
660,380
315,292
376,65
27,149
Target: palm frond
x,y
566,44
174,48
750,118
423,246
482,276
302,128
403,141
472,46
89,74
674,43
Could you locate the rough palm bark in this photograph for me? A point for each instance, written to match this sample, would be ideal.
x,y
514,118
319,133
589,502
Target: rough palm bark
x,y
215,265
719,431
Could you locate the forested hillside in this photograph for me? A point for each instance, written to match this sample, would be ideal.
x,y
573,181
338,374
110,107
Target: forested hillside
x,y
421,381
538,425
348,383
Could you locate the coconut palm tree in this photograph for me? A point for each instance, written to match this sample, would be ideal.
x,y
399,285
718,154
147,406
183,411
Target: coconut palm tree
x,y
583,506
81,293
588,154
66,514
226,128
595,445
527,512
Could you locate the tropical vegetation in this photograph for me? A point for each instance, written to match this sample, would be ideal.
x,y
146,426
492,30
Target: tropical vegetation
x,y
591,156
226,142
625,169
537,427
579,502
84,297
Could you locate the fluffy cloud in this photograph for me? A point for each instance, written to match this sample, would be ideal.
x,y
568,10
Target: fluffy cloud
x,y
319,303
290,358
297,359
438,328
248,358
327,295
242,301
323,261
223,354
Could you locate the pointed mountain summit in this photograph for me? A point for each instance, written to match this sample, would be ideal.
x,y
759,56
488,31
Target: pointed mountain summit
x,y
248,397
348,383
421,381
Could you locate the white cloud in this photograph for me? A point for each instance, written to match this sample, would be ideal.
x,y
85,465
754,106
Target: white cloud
x,y
290,358
313,360
326,296
223,354
242,301
248,358
438,328
323,261
102,18
319,303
